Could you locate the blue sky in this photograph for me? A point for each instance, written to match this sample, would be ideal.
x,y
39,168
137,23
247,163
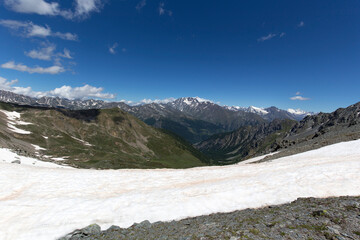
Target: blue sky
x,y
290,54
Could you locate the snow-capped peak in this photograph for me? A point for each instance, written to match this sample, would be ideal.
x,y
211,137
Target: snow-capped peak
x,y
202,100
298,112
257,110
235,108
194,100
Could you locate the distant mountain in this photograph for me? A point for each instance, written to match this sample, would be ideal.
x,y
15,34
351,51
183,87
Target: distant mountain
x,y
286,136
194,119
245,142
95,138
272,113
57,102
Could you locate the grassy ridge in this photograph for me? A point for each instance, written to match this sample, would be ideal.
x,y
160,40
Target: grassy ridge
x,y
108,138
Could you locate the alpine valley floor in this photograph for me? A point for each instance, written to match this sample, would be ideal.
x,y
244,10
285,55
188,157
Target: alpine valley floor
x,y
48,202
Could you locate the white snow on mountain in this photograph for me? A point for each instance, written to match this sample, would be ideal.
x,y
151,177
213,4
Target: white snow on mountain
x,y
258,110
187,101
203,100
14,129
14,119
298,112
235,108
38,147
193,100
82,141
46,203
8,156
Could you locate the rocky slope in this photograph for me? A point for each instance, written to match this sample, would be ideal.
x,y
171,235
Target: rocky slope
x,y
305,218
97,138
320,130
245,142
288,137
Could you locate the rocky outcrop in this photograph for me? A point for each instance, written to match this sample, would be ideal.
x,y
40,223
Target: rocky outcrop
x,y
305,218
312,132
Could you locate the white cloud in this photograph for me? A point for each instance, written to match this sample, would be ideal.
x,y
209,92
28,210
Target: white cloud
x,y
298,93
48,53
40,7
39,31
83,8
267,37
66,36
29,29
282,35
65,54
7,85
112,49
45,53
83,92
68,92
301,24
23,68
163,11
140,5
300,98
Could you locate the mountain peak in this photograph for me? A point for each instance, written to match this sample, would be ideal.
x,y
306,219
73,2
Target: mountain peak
x,y
257,110
298,111
190,100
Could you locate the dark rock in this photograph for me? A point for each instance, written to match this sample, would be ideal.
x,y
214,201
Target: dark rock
x,y
300,219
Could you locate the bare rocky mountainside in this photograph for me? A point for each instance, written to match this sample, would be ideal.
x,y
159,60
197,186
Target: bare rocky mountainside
x,y
97,138
288,137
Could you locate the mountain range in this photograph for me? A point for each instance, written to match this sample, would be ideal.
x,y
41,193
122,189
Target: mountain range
x,y
193,118
185,132
287,136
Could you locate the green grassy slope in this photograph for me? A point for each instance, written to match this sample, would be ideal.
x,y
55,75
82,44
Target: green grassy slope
x,y
108,138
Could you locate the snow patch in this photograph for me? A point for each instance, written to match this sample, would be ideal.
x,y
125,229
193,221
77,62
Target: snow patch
x,y
82,141
186,101
298,112
12,116
14,119
17,130
257,110
60,158
8,156
37,147
203,100
32,208
235,108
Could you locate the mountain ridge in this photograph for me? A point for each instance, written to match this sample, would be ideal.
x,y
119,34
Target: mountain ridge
x,y
95,138
290,137
78,104
194,119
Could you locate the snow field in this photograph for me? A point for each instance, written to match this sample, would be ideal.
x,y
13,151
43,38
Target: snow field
x,y
47,203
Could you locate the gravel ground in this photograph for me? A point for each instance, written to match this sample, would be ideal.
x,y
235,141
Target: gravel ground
x,y
305,218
